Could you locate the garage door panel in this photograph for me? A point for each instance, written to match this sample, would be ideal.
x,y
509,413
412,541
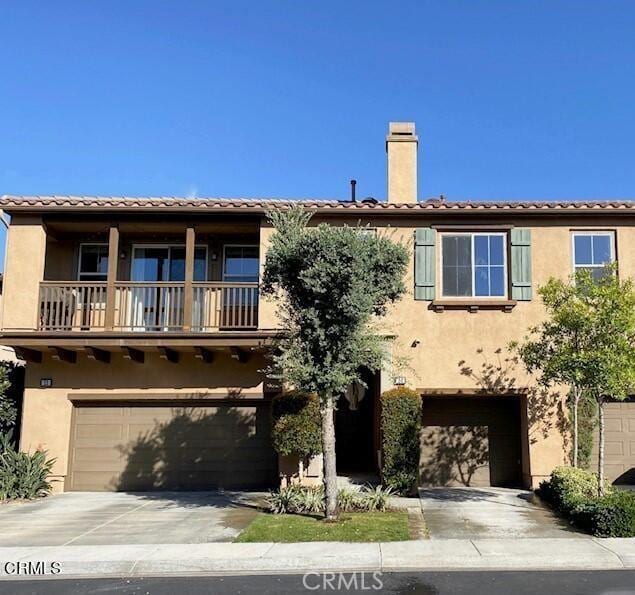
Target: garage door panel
x,y
470,442
171,447
619,452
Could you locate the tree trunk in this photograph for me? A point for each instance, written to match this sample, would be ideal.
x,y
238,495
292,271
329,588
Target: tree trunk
x,y
328,452
576,402
601,447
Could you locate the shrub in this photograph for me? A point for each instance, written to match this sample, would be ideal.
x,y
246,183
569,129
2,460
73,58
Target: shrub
x,y
610,516
400,438
569,488
574,493
296,424
297,499
23,475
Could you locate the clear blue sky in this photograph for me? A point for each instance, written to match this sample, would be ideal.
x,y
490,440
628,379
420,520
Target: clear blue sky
x,y
512,99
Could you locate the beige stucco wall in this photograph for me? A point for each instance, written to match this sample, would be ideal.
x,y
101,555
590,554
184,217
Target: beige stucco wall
x,y
24,264
46,416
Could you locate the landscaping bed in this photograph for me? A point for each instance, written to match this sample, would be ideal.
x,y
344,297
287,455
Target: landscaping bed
x,y
356,526
574,493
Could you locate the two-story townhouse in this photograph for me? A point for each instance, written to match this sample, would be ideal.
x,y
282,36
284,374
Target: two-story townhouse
x,y
146,338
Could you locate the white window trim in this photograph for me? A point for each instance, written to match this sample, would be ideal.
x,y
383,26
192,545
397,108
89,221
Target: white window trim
x,y
574,234
159,245
79,262
225,246
472,235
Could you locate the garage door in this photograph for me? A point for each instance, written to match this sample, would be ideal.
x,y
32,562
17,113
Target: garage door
x,y
619,443
471,441
171,447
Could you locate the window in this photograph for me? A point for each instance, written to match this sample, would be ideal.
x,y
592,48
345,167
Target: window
x,y
474,265
592,251
241,264
93,262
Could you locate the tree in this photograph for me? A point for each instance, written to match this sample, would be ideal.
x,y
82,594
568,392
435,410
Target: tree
x,y
8,409
587,342
330,283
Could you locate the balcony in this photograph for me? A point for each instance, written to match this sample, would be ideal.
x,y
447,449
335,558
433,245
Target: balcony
x,y
139,306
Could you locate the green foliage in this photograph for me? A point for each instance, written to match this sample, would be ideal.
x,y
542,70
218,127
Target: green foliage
x,y
10,388
297,499
400,435
23,475
588,339
296,424
329,281
573,492
569,488
610,516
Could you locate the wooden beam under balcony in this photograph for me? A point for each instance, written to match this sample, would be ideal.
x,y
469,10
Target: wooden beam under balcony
x,y
205,355
64,355
98,355
29,355
134,355
169,355
240,355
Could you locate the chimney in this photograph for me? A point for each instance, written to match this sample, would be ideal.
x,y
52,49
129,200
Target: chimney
x,y
401,146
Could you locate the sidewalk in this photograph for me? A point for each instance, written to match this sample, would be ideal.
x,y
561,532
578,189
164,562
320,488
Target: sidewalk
x,y
264,558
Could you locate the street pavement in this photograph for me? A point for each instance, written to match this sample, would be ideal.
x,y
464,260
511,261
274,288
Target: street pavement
x,y
620,582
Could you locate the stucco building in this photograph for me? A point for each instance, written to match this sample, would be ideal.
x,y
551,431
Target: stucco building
x,y
146,338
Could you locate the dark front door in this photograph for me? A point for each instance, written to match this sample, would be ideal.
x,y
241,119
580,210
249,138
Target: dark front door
x,y
354,432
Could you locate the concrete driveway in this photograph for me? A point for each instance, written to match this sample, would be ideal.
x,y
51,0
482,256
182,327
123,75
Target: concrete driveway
x,y
481,513
91,518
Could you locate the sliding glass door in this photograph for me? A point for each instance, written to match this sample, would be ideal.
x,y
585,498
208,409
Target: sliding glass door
x,y
157,294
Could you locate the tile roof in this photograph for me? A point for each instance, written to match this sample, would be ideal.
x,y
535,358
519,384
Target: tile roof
x,y
117,203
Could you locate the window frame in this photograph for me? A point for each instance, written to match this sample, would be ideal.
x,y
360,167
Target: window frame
x,y
592,232
91,276
472,235
169,247
224,273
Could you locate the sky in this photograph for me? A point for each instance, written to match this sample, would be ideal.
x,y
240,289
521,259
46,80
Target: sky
x,y
522,99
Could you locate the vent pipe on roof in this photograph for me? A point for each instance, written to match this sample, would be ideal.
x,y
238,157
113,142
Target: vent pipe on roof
x,y
353,184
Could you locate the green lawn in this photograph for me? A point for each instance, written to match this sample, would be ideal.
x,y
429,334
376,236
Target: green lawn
x,y
354,526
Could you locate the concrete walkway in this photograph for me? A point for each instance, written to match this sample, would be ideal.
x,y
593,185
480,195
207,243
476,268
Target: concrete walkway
x,y
483,513
258,558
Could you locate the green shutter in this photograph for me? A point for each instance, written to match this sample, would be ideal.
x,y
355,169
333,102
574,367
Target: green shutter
x,y
521,264
425,263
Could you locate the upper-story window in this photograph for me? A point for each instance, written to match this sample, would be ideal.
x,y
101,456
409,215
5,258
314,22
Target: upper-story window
x,y
474,265
240,264
93,262
592,251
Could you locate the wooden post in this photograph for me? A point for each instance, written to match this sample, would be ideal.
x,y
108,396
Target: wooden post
x,y
188,290
111,278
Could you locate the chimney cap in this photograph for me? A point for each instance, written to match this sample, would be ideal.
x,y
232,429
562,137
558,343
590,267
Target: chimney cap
x,y
401,132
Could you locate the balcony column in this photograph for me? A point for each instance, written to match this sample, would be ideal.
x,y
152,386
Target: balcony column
x,y
188,289
111,277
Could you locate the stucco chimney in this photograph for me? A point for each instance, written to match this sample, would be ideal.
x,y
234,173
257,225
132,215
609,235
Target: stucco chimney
x,y
401,147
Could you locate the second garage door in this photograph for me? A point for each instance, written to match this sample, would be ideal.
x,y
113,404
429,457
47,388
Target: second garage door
x,y
471,441
171,447
619,442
